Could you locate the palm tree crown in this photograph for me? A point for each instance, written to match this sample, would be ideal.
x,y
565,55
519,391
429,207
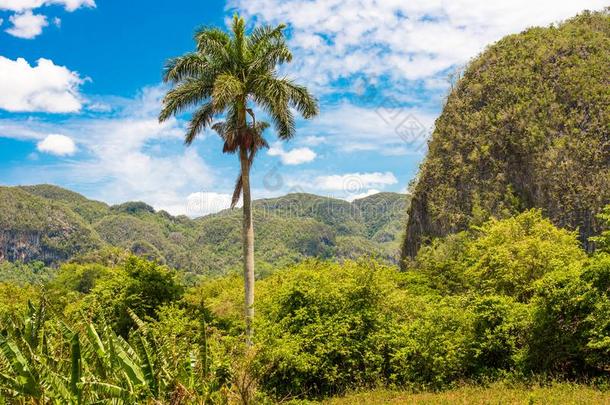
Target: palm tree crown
x,y
226,72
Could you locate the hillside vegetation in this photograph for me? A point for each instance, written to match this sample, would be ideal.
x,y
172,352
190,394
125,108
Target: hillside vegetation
x,y
51,224
515,303
36,227
528,125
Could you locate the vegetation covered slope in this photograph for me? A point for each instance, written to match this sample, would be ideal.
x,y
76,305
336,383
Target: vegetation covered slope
x,y
297,226
528,125
290,229
90,210
33,227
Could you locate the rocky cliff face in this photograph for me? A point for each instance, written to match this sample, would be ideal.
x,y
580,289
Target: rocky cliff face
x,y
36,228
27,246
528,125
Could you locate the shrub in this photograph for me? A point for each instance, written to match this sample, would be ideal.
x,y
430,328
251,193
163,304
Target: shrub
x,y
602,241
317,326
431,349
139,285
500,257
507,256
443,263
571,327
500,326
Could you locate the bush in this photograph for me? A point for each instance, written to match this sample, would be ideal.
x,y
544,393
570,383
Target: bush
x,y
139,285
602,241
318,325
507,256
500,257
431,349
500,326
442,262
571,331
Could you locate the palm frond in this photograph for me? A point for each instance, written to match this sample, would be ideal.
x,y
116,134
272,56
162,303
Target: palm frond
x,y
185,95
237,191
270,56
212,42
199,121
264,34
190,65
299,98
238,27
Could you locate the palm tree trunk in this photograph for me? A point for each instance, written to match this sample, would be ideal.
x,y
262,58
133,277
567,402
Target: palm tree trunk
x,y
248,243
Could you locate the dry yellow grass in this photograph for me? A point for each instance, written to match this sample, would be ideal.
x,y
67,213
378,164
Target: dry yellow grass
x,y
560,393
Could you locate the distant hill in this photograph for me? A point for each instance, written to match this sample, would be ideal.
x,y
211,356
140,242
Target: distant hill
x,y
53,225
34,227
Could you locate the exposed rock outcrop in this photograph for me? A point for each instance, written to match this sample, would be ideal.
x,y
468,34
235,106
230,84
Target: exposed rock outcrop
x,y
528,125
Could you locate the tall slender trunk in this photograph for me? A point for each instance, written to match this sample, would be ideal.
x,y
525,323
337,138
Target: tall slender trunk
x,y
248,244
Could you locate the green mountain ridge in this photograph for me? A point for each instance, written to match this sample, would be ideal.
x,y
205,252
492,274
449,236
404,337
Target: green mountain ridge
x,y
53,225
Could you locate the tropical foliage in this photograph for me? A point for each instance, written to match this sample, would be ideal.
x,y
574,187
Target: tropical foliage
x,y
506,300
50,362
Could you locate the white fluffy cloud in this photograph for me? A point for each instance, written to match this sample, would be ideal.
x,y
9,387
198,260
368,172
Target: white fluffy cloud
x,y
57,144
27,25
204,203
295,156
20,5
354,183
403,40
45,87
23,5
387,129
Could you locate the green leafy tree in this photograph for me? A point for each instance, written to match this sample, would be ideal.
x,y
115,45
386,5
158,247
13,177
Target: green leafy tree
x,y
138,285
227,74
499,257
602,241
508,255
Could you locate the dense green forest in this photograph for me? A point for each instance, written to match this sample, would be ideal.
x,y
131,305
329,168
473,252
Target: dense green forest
x,y
54,225
500,286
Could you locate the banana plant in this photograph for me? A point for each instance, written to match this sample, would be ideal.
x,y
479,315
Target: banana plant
x,y
95,365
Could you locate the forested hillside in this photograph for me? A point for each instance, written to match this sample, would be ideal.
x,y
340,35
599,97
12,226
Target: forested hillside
x,y
528,125
53,225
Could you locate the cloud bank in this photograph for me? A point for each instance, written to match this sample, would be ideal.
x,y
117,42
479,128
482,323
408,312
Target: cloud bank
x,y
402,40
45,87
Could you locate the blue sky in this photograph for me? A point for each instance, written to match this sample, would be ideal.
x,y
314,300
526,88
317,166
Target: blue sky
x,y
80,90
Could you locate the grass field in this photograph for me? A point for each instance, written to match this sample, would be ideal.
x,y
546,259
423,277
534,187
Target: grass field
x,y
561,393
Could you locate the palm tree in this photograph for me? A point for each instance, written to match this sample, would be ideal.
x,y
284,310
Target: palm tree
x,y
227,75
